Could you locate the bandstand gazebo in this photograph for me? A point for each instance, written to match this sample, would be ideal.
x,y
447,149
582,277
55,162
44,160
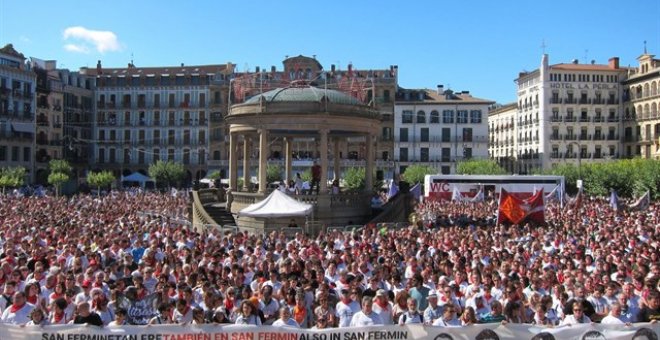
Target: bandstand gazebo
x,y
300,111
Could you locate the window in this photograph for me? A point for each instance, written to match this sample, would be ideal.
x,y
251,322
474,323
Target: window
x,y
386,96
14,153
424,134
445,170
462,117
156,155
403,154
101,155
448,116
403,134
475,116
467,153
446,134
112,157
406,117
446,155
27,154
467,134
421,117
386,134
3,153
424,154
435,117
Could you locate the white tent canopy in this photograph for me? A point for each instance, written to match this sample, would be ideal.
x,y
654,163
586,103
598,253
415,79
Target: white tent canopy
x,y
137,177
277,204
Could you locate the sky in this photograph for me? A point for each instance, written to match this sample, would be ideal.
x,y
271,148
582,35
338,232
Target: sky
x,y
476,46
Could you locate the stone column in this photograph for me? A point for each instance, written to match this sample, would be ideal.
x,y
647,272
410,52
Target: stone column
x,y
246,162
263,160
369,171
335,151
288,175
233,161
324,161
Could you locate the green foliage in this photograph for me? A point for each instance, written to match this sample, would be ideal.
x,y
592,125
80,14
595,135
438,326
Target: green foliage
x,y
306,175
480,167
56,179
59,165
100,179
12,177
629,177
415,173
214,175
167,172
354,179
273,173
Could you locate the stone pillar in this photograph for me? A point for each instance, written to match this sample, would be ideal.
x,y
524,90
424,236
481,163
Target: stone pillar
x,y
335,156
369,171
324,161
263,160
288,175
233,161
246,162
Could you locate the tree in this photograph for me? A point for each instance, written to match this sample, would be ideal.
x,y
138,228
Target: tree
x,y
273,173
56,179
480,167
100,179
167,172
214,175
415,173
12,177
60,165
354,179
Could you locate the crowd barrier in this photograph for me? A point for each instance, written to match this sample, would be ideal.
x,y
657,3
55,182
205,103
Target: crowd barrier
x,y
243,332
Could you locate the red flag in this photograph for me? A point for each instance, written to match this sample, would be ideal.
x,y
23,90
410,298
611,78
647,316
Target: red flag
x,y
515,210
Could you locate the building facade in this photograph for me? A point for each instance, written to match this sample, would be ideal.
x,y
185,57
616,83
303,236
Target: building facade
x,y
439,128
49,117
569,112
17,111
503,137
641,100
143,115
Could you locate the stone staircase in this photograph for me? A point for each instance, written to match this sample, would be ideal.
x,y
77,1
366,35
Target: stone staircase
x,y
219,213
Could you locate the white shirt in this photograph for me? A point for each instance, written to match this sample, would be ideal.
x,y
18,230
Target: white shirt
x,y
611,320
571,320
385,314
21,317
288,323
345,312
454,322
362,319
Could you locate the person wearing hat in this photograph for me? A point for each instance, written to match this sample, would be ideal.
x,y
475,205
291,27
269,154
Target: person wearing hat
x,y
433,311
85,295
383,307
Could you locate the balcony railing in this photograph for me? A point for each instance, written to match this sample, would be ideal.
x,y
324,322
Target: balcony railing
x,y
612,119
612,137
570,101
570,119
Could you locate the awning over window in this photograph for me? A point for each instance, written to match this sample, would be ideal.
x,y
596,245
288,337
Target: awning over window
x,y
23,127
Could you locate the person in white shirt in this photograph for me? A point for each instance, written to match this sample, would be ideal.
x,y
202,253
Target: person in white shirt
x,y
383,307
614,317
346,308
285,319
367,316
577,317
183,313
433,311
448,318
19,312
412,315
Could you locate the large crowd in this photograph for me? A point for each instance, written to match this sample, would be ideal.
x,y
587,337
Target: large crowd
x,y
103,261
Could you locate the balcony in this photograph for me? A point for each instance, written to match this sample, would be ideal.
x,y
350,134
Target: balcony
x,y
629,139
612,101
598,101
599,137
585,137
612,137
100,105
42,122
584,101
57,125
570,100
556,119
570,155
570,119
556,100
612,119
598,119
585,119
156,122
570,137
555,137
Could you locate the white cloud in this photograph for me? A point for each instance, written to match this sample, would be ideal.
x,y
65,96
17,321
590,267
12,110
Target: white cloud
x,y
102,41
76,48
24,39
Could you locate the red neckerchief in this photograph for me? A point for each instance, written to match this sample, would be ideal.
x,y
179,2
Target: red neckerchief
x,y
382,305
186,311
15,308
58,317
32,299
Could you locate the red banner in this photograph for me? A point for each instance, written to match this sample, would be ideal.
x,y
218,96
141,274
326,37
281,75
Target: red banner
x,y
515,210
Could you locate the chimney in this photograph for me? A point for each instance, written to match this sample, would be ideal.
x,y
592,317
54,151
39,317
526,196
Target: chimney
x,y
575,61
614,63
99,69
350,68
441,89
332,68
181,64
257,69
272,69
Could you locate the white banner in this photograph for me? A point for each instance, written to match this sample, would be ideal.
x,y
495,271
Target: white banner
x,y
241,332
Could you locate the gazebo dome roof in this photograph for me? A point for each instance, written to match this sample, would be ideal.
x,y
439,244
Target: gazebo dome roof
x,y
304,94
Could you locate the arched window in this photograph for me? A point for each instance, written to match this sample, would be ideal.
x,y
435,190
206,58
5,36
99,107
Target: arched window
x,y
421,117
435,117
646,90
654,88
654,110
